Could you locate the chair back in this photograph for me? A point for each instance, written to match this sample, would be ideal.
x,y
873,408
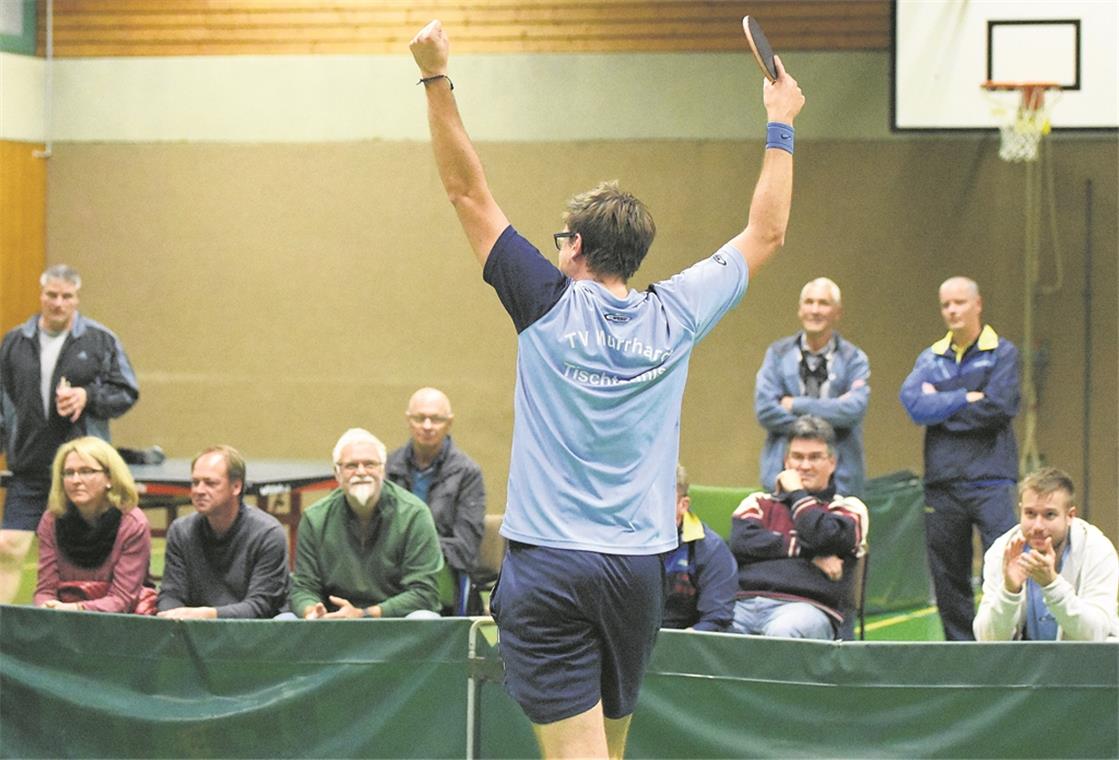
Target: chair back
x,y
858,592
491,552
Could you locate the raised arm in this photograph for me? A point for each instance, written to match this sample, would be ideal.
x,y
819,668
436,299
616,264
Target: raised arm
x,y
773,195
459,166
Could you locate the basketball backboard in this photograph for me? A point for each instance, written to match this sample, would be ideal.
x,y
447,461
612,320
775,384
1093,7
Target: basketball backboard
x,y
943,50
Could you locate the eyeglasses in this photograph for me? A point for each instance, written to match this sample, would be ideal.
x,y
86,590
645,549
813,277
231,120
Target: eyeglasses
x,y
352,467
813,458
434,419
558,236
84,473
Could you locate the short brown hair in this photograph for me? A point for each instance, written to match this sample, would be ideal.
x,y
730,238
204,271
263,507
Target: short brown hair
x,y
812,428
234,462
616,228
1047,480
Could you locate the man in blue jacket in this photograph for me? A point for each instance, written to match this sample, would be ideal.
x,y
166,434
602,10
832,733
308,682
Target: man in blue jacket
x,y
815,372
964,390
700,575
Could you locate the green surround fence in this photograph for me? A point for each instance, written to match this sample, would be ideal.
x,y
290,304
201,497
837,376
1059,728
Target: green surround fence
x,y
100,685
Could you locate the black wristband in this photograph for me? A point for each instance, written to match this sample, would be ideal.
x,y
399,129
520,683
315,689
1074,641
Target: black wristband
x,y
424,80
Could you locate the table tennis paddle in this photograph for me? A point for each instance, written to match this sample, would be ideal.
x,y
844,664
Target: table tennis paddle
x,y
760,47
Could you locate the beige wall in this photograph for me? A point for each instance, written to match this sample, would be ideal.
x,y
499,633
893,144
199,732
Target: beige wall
x,y
272,295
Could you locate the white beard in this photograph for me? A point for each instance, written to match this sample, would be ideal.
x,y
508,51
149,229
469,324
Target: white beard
x,y
363,494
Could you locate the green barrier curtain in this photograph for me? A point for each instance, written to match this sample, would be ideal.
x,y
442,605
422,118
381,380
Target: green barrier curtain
x,y
99,685
898,571
727,696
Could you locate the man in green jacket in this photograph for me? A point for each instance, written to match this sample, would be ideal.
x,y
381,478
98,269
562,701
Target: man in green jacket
x,y
369,549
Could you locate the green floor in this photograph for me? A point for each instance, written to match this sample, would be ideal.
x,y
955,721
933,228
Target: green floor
x,y
906,625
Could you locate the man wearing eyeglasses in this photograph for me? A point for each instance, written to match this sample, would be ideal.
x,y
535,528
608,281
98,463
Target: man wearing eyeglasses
x,y
369,548
62,376
796,547
600,378
432,467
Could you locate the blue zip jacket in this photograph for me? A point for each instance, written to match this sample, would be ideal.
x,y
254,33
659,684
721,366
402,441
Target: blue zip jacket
x,y
966,441
849,391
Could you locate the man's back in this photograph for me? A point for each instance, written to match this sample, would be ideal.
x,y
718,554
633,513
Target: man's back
x,y
597,400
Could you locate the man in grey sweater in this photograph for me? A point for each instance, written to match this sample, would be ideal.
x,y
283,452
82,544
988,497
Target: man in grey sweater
x,y
227,560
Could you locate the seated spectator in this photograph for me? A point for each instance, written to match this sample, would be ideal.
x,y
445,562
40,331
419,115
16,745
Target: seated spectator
x,y
1051,577
369,548
227,560
699,574
432,467
796,548
94,544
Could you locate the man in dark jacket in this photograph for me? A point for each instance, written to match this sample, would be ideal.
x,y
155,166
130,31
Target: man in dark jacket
x,y
964,390
227,559
796,547
62,376
447,480
699,575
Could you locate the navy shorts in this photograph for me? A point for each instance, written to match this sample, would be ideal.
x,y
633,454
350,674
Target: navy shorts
x,y
25,502
576,627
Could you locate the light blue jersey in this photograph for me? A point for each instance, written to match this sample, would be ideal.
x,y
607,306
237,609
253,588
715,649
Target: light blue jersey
x,y
600,380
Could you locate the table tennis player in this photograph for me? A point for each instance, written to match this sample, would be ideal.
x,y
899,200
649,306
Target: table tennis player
x,y
600,376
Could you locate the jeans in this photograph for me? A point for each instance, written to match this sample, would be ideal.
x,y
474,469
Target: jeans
x,y
773,617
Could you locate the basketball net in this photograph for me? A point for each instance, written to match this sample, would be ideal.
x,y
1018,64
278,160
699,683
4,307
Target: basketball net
x,y
1023,127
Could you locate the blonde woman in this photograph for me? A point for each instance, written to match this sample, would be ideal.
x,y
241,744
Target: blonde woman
x,y
94,544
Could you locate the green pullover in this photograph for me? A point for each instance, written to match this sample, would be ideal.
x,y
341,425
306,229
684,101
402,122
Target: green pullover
x,y
394,564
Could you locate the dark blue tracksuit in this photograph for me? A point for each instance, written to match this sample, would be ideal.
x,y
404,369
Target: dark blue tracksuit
x,y
971,461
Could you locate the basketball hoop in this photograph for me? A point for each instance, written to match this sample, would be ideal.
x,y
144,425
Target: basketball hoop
x,y
1021,128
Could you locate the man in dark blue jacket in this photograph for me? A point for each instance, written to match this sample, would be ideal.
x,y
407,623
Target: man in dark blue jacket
x,y
62,376
964,390
699,574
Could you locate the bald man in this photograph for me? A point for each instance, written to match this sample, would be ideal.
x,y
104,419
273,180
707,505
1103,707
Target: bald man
x,y
447,480
964,390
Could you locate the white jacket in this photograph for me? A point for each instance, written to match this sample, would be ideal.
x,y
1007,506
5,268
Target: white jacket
x,y
1082,598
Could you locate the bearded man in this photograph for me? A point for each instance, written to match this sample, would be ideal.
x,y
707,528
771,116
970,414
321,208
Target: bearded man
x,y
369,549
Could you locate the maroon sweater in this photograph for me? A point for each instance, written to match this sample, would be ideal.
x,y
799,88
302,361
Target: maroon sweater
x,y
774,541
125,569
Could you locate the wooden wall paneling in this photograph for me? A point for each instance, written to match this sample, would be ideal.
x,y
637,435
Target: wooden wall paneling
x,y
23,198
233,27
23,252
